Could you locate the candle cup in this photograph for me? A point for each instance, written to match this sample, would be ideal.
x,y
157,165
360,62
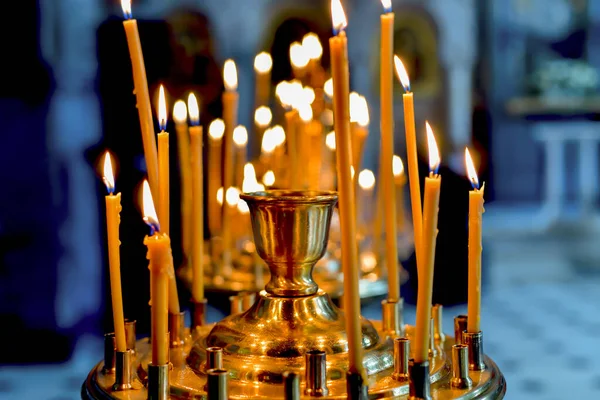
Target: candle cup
x,y
217,386
158,382
198,313
418,380
316,374
460,367
432,349
177,329
123,371
214,358
438,332
474,341
392,317
130,335
460,325
291,386
401,354
355,386
110,345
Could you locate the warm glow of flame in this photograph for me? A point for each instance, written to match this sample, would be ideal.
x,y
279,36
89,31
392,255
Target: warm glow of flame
x,y
216,129
263,116
263,62
281,89
242,207
328,87
240,136
387,5
249,172
269,178
471,171
180,112
397,166
278,135
338,17
305,112
268,142
162,109
290,94
402,74
148,206
230,75
366,179
312,46
434,153
308,94
220,196
232,196
250,184
108,177
330,141
126,6
298,55
359,110
193,109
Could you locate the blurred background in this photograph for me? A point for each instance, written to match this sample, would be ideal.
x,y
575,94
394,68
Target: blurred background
x,y
516,80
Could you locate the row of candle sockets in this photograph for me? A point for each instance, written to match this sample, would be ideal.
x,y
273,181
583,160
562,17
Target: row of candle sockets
x,y
467,355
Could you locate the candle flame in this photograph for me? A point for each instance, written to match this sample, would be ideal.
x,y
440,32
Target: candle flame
x,y
269,178
471,171
298,55
387,5
263,62
308,94
366,179
434,153
397,166
402,74
162,109
263,116
312,46
242,207
126,6
240,136
249,172
359,110
180,112
338,17
305,112
108,178
278,135
281,90
150,217
250,184
328,87
230,75
216,129
290,94
268,142
194,109
330,140
232,196
220,196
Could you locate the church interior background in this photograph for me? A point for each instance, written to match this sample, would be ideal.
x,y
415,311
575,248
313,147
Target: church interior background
x,y
517,80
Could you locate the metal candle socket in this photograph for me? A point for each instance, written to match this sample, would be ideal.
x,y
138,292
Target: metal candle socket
x,y
214,358
418,380
432,348
109,353
123,370
392,320
217,384
474,341
401,355
316,374
291,386
356,387
158,382
198,313
438,330
460,325
460,367
130,335
177,329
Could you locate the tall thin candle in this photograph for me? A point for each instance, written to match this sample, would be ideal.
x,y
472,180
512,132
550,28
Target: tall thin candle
x,y
183,147
216,130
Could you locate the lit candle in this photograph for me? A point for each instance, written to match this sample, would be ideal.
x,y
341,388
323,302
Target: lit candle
x,y
159,254
400,181
359,123
269,179
183,145
197,200
341,92
299,60
411,154
140,83
314,50
328,88
431,205
314,132
366,184
163,163
263,63
267,148
475,218
262,119
240,140
216,130
230,110
113,219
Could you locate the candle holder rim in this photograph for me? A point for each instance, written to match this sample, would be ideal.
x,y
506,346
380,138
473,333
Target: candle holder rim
x,y
291,196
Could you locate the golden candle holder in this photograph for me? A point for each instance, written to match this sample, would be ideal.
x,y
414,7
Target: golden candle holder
x,y
291,343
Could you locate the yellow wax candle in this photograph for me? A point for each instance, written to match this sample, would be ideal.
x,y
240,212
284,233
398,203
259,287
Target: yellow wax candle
x,y
142,96
314,131
411,153
163,164
400,181
183,147
475,218
113,219
312,46
159,254
262,119
240,140
266,149
197,200
387,149
230,110
291,118
263,63
279,139
304,120
430,219
216,130
341,82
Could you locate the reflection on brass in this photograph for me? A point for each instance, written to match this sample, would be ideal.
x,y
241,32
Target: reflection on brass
x,y
460,325
460,367
437,314
474,341
401,355
130,335
392,318
418,380
110,345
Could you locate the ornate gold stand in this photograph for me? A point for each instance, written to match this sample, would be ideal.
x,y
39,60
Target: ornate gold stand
x,y
291,318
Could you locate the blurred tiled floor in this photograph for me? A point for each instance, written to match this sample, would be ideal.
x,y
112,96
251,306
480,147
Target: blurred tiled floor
x,y
541,318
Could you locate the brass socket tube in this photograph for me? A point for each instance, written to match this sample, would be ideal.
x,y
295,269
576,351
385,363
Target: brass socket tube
x,y
214,358
122,370
355,386
198,313
474,341
437,312
392,317
401,355
316,373
460,325
460,367
291,386
110,345
432,349
177,329
158,382
418,380
130,334
217,384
